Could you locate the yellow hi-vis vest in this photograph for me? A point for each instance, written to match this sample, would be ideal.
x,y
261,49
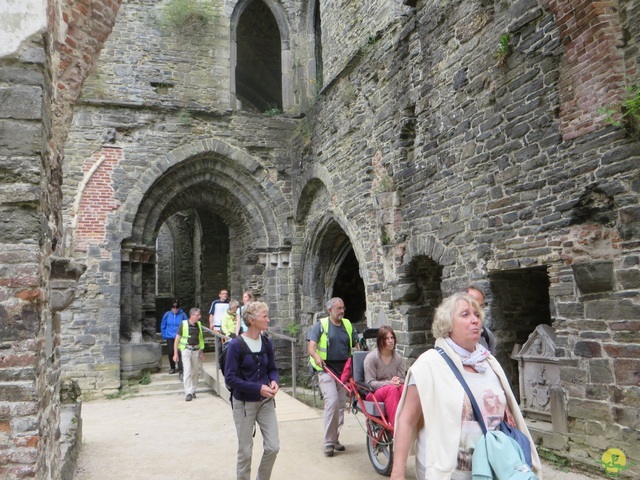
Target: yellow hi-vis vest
x,y
184,336
323,343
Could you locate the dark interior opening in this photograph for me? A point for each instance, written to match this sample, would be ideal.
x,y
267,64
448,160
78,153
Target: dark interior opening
x,y
259,67
350,287
517,304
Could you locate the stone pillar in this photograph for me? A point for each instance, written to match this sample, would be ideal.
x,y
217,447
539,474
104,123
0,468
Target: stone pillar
x,y
125,295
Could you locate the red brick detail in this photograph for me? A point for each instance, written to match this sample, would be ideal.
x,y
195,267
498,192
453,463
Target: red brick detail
x,y
27,441
623,351
593,73
86,25
98,197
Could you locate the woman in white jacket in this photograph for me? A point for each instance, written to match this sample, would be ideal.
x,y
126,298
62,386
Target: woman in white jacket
x,y
435,411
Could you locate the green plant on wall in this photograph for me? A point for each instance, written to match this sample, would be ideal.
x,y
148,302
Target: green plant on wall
x,y
293,329
272,111
627,112
504,47
185,15
185,118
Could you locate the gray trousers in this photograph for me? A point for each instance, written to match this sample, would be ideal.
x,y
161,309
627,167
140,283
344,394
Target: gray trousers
x,y
245,416
335,400
191,369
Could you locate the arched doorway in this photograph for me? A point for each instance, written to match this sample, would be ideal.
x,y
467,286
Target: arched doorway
x,y
331,269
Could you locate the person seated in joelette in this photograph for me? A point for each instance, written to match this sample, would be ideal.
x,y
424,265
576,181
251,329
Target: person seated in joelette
x,y
384,372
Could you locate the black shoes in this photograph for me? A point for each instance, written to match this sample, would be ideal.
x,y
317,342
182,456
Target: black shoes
x,y
189,397
328,451
172,371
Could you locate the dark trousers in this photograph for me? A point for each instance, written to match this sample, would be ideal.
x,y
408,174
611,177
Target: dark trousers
x,y
170,347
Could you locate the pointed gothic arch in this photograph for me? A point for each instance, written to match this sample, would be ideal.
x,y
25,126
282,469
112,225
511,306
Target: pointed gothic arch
x,y
261,59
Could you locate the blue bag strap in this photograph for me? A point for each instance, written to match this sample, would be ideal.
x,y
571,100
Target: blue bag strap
x,y
456,372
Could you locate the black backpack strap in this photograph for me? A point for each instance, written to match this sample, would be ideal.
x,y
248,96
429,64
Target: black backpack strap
x,y
474,404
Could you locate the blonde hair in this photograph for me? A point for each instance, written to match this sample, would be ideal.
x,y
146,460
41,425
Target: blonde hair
x,y
443,318
251,310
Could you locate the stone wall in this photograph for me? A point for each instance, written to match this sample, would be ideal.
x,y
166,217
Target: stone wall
x,y
494,162
38,82
435,158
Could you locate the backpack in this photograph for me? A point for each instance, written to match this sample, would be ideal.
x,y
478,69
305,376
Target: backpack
x,y
244,350
222,359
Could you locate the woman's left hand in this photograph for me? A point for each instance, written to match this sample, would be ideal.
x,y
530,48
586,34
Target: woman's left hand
x,y
274,386
508,417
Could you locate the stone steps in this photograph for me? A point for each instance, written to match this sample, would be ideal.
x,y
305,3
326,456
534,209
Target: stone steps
x,y
164,384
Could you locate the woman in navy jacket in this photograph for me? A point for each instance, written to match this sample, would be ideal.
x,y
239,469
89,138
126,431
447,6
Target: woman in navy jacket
x,y
251,375
171,321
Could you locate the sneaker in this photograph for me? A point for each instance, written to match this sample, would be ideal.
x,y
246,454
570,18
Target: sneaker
x,y
172,371
340,447
194,396
181,376
328,451
189,397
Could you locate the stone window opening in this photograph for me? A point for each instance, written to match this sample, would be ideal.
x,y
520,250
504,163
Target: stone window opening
x,y
261,63
518,301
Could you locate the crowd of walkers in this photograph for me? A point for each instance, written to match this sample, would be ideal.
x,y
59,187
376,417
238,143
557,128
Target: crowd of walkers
x,y
433,407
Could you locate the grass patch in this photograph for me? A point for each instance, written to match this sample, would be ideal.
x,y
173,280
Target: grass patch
x,y
558,462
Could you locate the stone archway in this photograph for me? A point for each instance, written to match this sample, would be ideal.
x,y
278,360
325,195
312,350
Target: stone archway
x,y
330,268
197,179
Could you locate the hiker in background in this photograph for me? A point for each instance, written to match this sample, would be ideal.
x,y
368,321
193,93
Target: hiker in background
x,y
230,319
247,297
442,417
251,375
171,321
487,340
190,341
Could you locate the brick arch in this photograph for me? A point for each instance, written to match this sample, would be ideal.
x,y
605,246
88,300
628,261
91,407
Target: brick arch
x,y
80,30
239,173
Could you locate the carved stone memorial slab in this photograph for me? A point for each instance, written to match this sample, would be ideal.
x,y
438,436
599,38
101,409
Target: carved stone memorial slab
x,y
539,373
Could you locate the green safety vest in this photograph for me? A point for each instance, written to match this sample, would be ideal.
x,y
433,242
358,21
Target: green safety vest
x,y
323,343
184,337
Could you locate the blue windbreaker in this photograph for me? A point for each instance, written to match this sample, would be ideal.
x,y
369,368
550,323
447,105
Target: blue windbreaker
x,y
171,322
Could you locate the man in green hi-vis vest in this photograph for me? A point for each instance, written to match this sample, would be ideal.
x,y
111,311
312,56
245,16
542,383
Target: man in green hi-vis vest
x,y
330,343
190,341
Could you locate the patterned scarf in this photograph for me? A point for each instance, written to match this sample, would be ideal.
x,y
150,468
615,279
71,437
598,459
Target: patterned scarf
x,y
476,359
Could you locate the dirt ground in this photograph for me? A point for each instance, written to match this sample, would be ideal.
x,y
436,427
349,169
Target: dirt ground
x,y
164,437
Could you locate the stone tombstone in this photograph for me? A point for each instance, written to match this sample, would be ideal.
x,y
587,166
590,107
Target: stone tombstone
x,y
539,373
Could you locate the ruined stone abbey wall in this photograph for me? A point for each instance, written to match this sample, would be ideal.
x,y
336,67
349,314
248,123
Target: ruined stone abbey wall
x,y
423,155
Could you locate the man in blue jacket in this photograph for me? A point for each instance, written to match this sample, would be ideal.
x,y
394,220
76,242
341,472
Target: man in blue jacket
x,y
170,323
